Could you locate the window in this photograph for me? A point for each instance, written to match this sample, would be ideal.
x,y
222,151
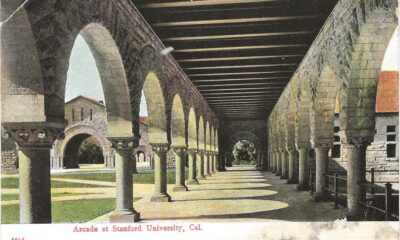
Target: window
x,y
336,151
73,115
390,128
391,138
391,150
91,114
81,114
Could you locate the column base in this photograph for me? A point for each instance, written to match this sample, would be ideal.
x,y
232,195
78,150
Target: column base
x,y
161,198
302,187
321,197
208,175
291,181
284,177
124,216
201,178
278,174
180,188
192,182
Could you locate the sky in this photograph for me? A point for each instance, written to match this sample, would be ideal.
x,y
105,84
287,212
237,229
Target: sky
x,y
83,77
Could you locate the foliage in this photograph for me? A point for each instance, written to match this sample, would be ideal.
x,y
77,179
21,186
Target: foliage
x,y
244,151
90,153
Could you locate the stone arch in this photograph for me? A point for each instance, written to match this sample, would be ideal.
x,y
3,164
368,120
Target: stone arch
x,y
207,137
357,101
245,136
177,122
86,131
322,112
113,78
192,129
156,109
21,76
201,133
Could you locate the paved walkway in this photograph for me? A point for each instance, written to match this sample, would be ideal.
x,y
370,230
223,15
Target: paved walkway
x,y
240,194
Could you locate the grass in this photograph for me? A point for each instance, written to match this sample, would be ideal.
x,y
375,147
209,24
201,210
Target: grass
x,y
66,211
8,197
13,182
110,177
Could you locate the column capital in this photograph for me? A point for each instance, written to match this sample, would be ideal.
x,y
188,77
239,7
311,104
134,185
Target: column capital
x,y
179,149
160,148
351,139
34,134
192,150
124,143
322,143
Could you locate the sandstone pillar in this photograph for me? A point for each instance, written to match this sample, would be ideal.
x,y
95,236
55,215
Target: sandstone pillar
x,y
160,172
264,162
322,167
214,162
34,142
356,147
273,166
284,164
207,164
292,166
200,166
192,153
278,171
124,160
303,168
180,169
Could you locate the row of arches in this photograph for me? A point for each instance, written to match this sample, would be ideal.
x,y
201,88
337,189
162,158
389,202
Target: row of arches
x,y
341,72
129,62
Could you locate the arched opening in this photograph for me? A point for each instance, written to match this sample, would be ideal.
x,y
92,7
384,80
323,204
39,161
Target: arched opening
x,y
82,150
201,140
141,157
157,119
244,153
177,123
192,129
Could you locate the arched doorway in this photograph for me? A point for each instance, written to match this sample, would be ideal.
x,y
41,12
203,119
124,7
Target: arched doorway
x,y
244,153
82,149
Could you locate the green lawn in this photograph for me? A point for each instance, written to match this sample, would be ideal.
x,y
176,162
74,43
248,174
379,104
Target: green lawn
x,y
66,211
110,177
8,197
13,182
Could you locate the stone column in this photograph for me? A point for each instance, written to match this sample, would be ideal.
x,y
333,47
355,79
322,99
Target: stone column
x,y
322,167
278,171
192,153
258,160
356,147
214,162
273,166
284,164
303,168
160,171
292,166
124,160
180,169
200,166
34,143
264,162
207,164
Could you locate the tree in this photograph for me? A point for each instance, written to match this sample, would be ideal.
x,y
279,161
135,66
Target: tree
x,y
244,152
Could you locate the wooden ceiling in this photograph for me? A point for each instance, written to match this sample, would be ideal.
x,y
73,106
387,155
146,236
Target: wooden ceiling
x,y
239,54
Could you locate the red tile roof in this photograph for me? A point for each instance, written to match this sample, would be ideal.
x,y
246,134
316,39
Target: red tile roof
x,y
387,96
